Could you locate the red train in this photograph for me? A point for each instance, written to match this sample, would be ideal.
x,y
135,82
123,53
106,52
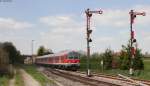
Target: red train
x,y
62,60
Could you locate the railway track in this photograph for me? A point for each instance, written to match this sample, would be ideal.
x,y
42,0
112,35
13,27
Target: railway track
x,y
98,79
135,81
82,79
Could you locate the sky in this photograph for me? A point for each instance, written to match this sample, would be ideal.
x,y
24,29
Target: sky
x,y
61,24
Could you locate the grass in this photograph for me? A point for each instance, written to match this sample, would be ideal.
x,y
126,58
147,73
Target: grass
x,y
146,73
96,67
18,79
31,69
4,80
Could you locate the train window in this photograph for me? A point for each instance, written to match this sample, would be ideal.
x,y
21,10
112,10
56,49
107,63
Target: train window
x,y
70,55
76,55
73,55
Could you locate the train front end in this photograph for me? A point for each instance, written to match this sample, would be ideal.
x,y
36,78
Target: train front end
x,y
72,60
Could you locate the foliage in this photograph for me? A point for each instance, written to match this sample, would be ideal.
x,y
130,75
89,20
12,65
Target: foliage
x,y
83,62
43,51
107,59
9,55
125,59
95,55
4,57
40,51
4,61
95,67
94,62
14,54
138,61
4,80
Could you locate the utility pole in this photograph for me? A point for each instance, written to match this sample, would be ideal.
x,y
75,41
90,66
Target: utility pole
x,y
32,50
89,31
132,38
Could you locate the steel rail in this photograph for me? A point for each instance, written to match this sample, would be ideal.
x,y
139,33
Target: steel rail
x,y
84,80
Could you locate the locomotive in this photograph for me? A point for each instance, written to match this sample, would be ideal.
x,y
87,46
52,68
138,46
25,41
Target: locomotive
x,y
62,60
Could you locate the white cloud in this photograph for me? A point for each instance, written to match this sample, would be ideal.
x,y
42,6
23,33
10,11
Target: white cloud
x,y
9,23
59,21
118,21
143,20
66,32
11,30
111,29
120,18
112,18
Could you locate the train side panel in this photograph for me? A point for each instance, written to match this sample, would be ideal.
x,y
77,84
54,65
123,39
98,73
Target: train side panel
x,y
59,61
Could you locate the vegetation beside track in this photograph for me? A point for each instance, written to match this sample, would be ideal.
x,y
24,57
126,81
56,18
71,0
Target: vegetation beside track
x,y
145,74
95,66
31,69
4,80
113,63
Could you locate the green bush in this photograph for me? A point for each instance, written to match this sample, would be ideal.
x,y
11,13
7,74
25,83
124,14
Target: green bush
x,y
107,58
124,62
4,80
138,61
125,59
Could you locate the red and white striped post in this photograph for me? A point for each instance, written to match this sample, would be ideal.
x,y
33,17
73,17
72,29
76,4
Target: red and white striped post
x,y
133,44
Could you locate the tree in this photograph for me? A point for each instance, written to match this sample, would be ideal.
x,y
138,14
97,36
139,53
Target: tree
x,y
9,55
107,58
14,54
138,62
4,57
43,51
95,55
125,58
4,62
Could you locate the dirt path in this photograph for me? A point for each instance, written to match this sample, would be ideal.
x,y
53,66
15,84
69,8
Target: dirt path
x,y
28,80
12,82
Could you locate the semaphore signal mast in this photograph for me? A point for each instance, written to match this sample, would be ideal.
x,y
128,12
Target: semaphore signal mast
x,y
89,31
132,39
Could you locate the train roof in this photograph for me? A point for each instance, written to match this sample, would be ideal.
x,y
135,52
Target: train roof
x,y
56,54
